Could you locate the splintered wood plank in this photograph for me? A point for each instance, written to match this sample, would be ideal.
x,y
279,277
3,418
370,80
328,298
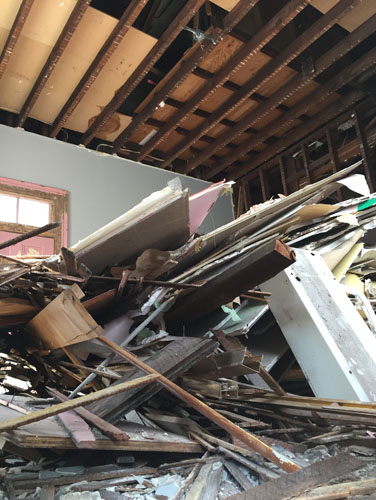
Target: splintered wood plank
x,y
64,321
39,34
295,483
353,19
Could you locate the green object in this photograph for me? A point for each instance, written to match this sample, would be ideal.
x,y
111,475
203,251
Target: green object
x,y
366,204
234,315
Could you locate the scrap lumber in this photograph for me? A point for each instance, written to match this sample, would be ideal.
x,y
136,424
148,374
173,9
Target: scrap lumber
x,y
35,416
110,430
64,321
250,440
248,270
207,483
297,482
175,358
341,490
77,429
232,343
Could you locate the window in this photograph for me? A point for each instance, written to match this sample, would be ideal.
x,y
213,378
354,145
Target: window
x,y
25,206
24,211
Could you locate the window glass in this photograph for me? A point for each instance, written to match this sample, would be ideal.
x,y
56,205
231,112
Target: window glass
x,y
8,208
33,212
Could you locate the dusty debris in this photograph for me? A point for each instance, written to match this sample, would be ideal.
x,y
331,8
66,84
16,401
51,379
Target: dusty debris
x,y
227,408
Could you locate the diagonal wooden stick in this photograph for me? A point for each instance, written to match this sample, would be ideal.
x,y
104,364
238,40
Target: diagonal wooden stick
x,y
252,441
35,416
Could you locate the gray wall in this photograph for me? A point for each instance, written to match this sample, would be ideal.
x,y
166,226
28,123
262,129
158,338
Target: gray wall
x,y
101,187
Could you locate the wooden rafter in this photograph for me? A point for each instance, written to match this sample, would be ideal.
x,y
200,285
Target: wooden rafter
x,y
334,114
301,43
291,138
187,12
274,26
14,33
55,54
319,95
202,49
243,56
324,62
108,48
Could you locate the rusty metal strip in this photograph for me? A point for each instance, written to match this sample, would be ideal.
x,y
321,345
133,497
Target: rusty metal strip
x,y
202,50
108,48
297,83
309,36
321,93
184,16
14,33
57,51
274,26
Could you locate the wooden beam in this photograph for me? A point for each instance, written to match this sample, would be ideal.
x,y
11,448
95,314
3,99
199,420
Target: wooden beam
x,y
306,162
366,153
294,136
201,50
14,34
320,94
55,54
263,183
276,24
243,56
268,71
252,441
292,86
108,48
35,416
181,20
282,171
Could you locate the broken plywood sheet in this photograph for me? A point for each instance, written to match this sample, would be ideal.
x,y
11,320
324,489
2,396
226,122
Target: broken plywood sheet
x,y
64,321
49,433
160,221
39,34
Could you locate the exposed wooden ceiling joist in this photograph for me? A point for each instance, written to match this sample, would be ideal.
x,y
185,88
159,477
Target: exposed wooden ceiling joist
x,y
343,77
200,51
243,56
126,21
188,11
302,42
265,158
324,62
14,33
57,51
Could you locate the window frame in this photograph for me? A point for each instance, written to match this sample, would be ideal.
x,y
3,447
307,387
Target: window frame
x,y
57,199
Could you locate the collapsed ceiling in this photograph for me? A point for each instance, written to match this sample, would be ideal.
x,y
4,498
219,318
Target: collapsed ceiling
x,y
211,89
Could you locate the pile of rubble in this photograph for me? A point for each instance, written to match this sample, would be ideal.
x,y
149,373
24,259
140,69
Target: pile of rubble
x,y
239,364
